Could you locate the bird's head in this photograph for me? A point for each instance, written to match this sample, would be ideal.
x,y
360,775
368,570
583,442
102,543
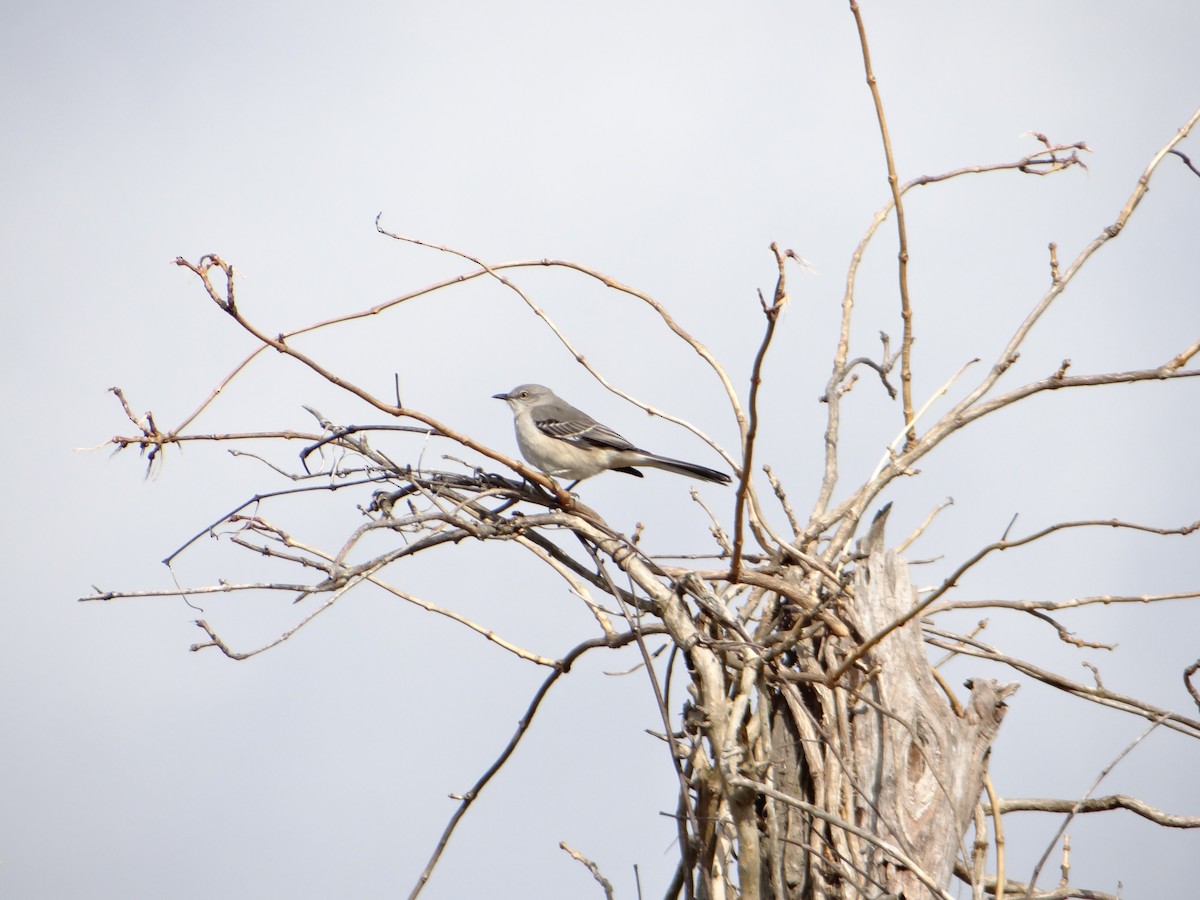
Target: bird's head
x,y
524,396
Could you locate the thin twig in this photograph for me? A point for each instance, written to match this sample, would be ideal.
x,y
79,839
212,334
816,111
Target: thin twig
x,y
670,322
889,849
772,314
998,829
1096,804
920,529
1096,694
202,270
902,255
1075,810
1187,161
951,580
604,883
472,795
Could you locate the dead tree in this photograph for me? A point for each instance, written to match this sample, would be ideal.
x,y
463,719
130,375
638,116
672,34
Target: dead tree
x,y
818,754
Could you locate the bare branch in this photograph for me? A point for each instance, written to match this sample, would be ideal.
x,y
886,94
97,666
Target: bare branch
x,y
1009,354
465,800
1187,681
1029,164
488,633
1063,892
1096,694
781,496
891,850
1094,804
1001,545
902,232
604,883
772,313
1075,810
1057,605
202,270
1186,161
920,529
1005,544
998,826
670,322
215,641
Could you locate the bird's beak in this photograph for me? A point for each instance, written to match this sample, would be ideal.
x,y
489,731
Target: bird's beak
x,y
499,396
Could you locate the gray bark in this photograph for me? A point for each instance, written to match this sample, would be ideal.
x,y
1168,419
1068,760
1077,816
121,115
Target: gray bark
x,y
920,763
885,751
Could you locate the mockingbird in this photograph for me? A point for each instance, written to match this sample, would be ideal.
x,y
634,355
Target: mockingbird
x,y
562,440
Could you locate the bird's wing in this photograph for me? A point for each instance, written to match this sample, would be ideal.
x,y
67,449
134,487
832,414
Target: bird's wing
x,y
583,434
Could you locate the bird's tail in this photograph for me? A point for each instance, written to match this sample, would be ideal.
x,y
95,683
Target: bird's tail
x,y
679,467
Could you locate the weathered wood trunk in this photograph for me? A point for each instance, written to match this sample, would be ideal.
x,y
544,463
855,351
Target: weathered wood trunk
x,y
924,762
885,751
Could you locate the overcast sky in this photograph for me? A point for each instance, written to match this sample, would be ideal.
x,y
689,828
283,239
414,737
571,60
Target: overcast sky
x,y
664,144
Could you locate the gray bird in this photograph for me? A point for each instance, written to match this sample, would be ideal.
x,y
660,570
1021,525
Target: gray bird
x,y
561,440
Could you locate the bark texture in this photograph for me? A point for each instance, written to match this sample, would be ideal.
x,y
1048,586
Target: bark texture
x,y
921,762
886,769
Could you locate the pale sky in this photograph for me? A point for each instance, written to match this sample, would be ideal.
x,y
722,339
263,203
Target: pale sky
x,y
666,145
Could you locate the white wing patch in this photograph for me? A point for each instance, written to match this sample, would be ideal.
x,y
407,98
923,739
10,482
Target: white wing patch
x,y
584,434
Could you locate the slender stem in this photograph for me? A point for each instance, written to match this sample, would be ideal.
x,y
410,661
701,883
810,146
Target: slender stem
x,y
902,256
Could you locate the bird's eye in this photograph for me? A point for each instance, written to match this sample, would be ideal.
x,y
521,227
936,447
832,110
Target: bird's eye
x,y
524,395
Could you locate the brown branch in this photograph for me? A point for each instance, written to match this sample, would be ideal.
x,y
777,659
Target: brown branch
x,y
1096,694
488,633
1183,358
279,344
920,529
1096,804
851,508
840,367
951,580
604,883
700,349
1168,370
714,528
998,827
1186,161
232,515
215,641
1005,544
635,625
771,313
1063,633
890,850
223,588
1076,808
1063,892
781,496
902,256
1058,605
1054,276
1068,637
465,800
1008,354
337,320
969,407
1044,162
1187,681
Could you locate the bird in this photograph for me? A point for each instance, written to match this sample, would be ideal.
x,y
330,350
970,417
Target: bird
x,y
566,442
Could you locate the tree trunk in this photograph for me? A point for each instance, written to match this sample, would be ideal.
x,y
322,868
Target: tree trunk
x,y
885,751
